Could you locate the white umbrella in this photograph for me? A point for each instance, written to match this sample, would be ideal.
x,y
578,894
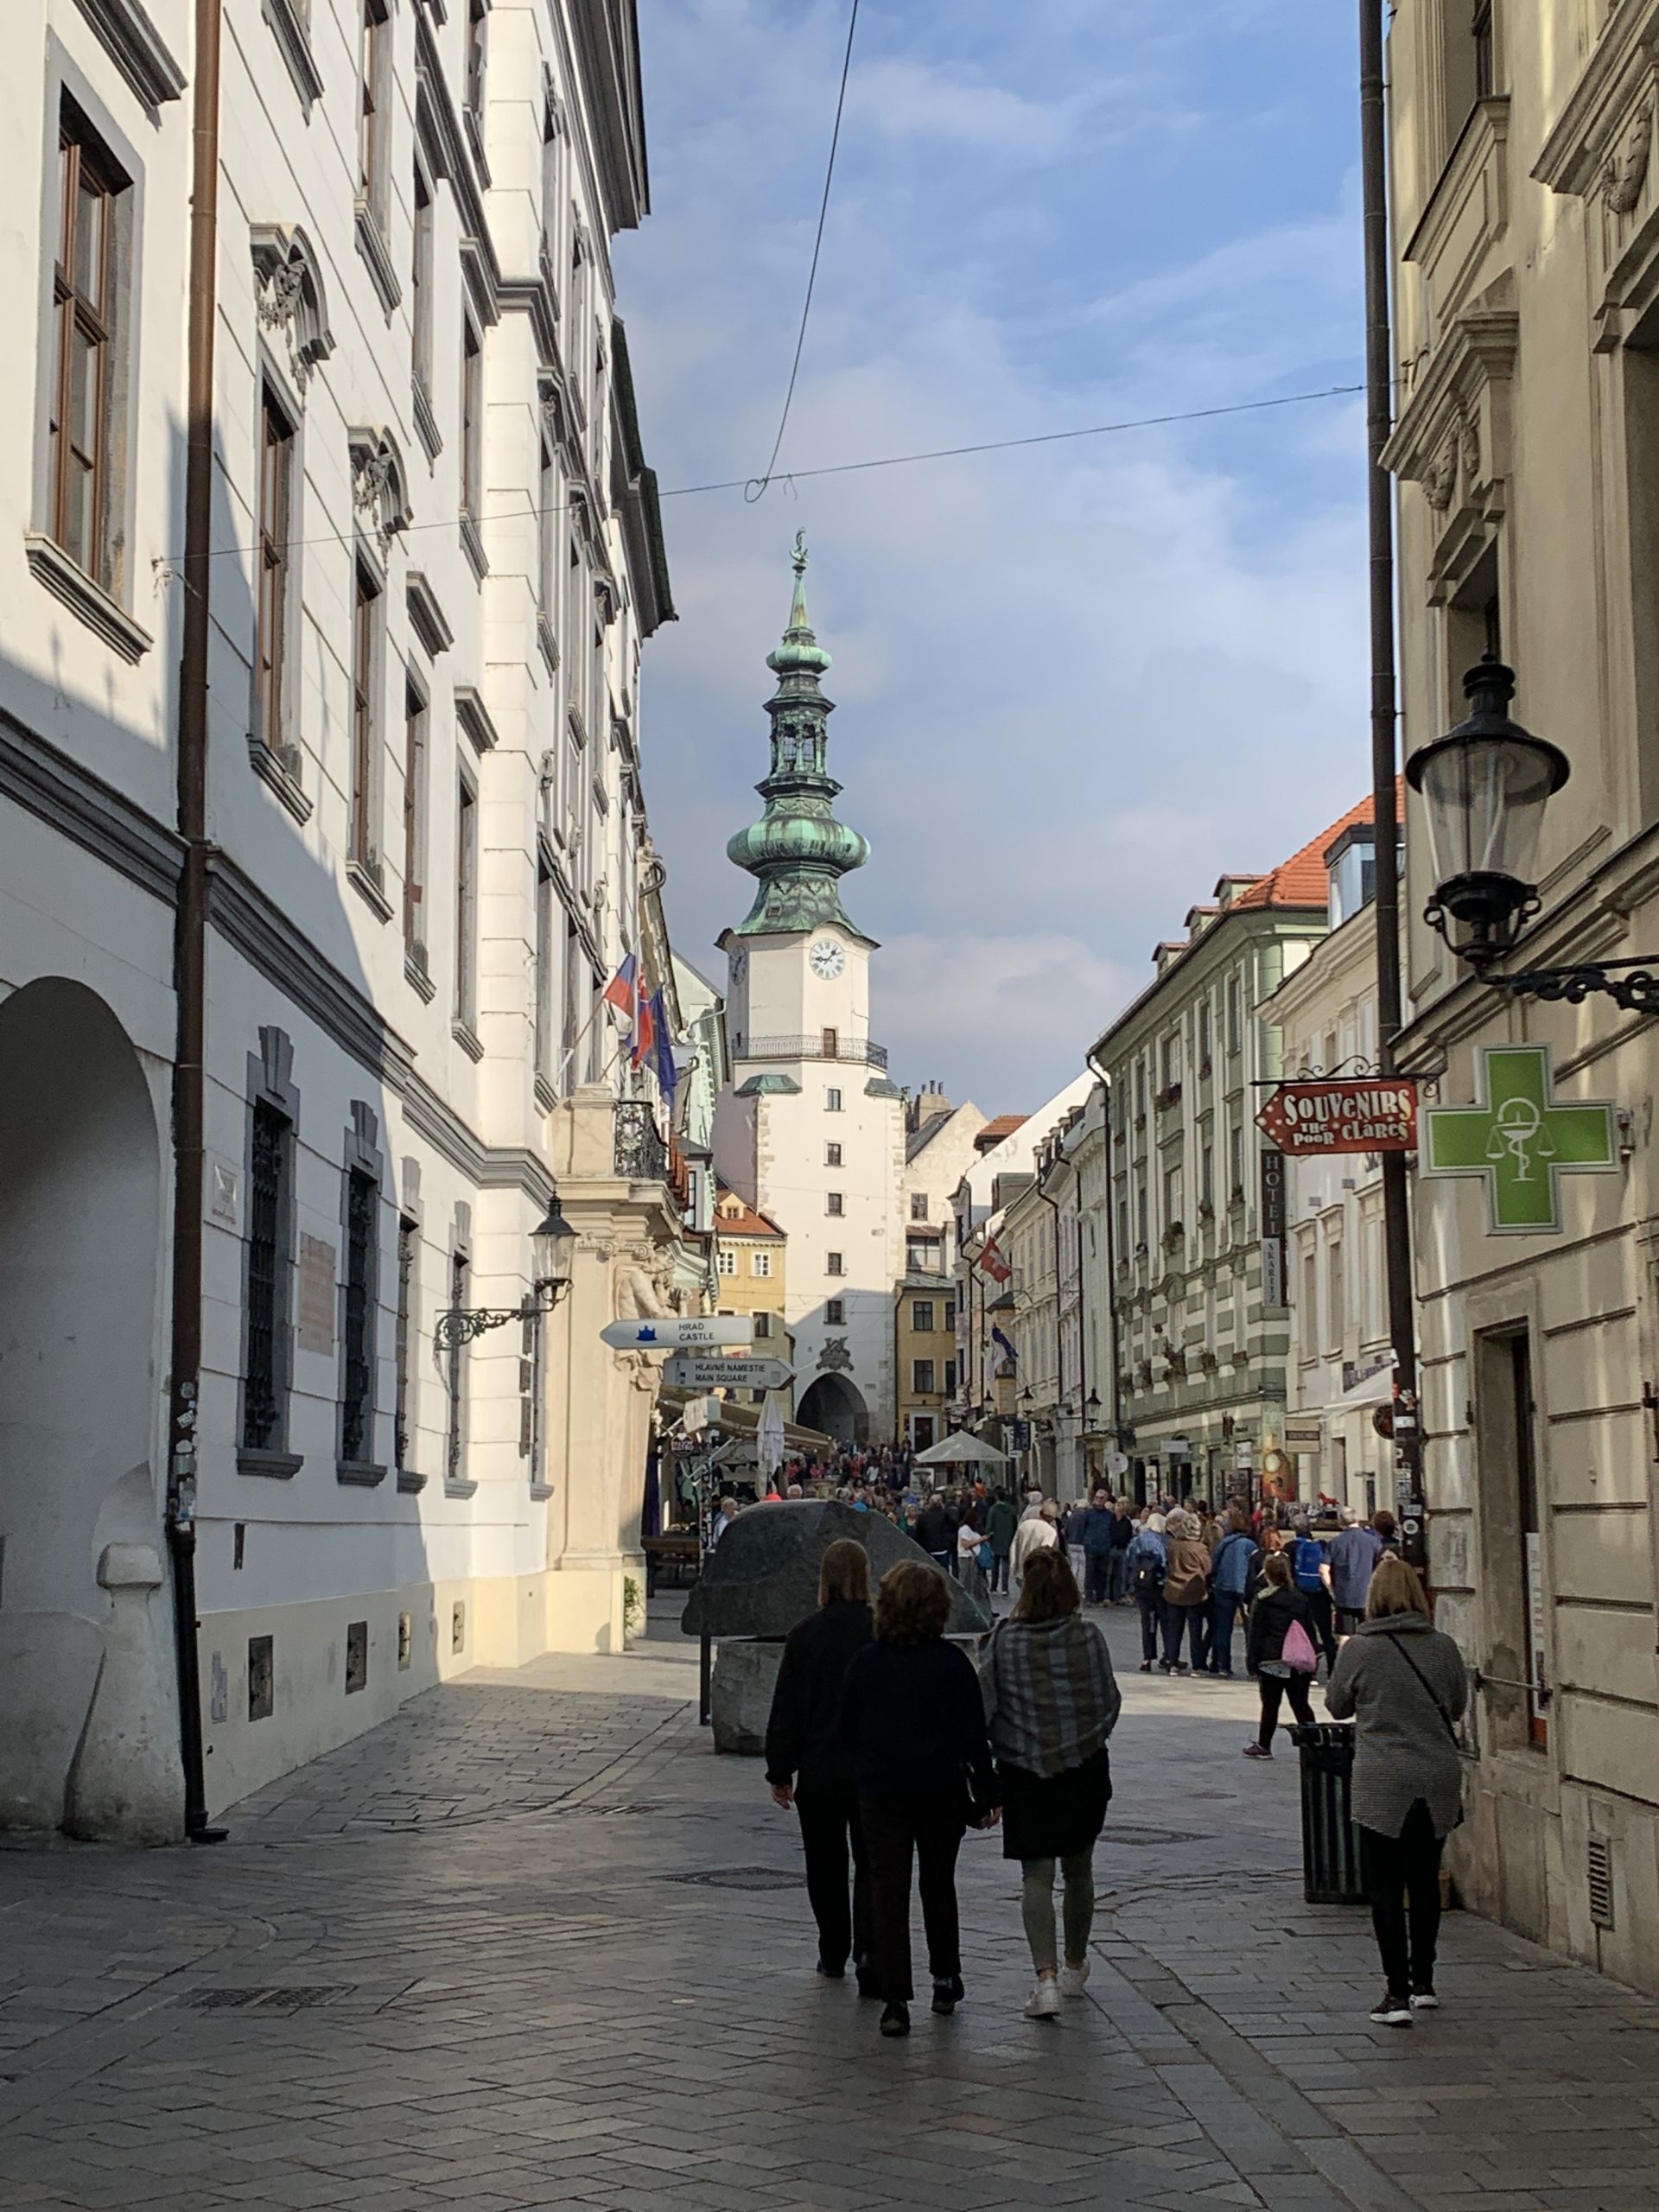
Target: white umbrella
x,y
769,1438
958,1449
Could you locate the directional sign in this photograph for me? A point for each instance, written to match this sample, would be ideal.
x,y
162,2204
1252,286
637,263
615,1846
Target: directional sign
x,y
690,1373
674,1330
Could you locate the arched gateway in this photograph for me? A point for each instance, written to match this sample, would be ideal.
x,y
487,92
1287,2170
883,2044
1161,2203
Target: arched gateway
x,y
836,1408
88,1725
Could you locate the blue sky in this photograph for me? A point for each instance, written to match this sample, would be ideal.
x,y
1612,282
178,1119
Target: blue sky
x,y
1074,684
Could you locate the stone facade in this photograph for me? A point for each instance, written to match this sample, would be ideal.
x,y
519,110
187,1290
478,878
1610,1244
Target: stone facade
x,y
435,557
1526,243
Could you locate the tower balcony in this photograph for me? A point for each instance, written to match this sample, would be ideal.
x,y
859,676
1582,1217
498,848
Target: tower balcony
x,y
821,1044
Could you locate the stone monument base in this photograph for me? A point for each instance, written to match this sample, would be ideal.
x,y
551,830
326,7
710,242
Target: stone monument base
x,y
740,1693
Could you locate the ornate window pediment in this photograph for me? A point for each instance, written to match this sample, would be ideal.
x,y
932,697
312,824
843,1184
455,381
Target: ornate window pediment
x,y
1454,436
1602,151
379,484
291,298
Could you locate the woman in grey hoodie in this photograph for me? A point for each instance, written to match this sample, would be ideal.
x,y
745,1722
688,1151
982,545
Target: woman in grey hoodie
x,y
1404,1686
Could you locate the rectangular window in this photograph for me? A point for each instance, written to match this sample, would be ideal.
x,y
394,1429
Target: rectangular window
x,y
832,1044
832,1203
725,1261
264,1388
949,1378
948,1324
472,418
832,1155
365,664
273,534
760,1263
415,744
762,1327
1309,1331
1172,1215
409,1237
1513,1607
83,292
921,1377
921,1316
831,1099
357,1396
478,12
1335,1297
832,1265
576,967
1204,1034
465,902
1234,1016
547,537
1235,1158
420,285
835,1313
374,125
1207,1174
544,1036
454,1447
918,1205
1480,36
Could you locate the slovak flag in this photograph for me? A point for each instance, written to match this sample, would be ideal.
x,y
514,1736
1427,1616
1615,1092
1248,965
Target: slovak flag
x,y
668,1076
992,1261
644,1023
623,988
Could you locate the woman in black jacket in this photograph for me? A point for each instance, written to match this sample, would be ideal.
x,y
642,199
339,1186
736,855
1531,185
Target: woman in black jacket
x,y
807,1767
914,1724
1279,1604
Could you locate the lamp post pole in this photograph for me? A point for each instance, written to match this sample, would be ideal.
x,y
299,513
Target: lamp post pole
x,y
1379,415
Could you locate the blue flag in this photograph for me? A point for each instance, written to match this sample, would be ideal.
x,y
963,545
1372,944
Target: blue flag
x,y
668,1076
997,1338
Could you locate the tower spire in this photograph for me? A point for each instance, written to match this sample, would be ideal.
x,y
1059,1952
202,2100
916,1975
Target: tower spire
x,y
798,851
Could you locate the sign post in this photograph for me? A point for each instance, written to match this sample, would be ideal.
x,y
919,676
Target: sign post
x,y
677,1332
690,1372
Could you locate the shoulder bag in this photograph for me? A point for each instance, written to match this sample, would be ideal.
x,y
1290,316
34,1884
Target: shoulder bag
x,y
1446,1721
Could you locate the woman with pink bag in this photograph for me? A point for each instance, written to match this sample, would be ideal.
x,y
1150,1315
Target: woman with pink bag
x,y
1279,1652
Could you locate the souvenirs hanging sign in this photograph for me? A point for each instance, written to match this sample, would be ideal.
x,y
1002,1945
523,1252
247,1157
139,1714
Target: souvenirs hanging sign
x,y
1354,1114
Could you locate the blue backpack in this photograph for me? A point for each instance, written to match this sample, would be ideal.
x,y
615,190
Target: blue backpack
x,y
1308,1560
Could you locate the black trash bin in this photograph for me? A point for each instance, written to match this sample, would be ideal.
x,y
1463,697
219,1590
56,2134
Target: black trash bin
x,y
1330,1870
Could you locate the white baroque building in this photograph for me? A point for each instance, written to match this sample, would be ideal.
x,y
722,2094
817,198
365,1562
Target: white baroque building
x,y
811,1131
331,553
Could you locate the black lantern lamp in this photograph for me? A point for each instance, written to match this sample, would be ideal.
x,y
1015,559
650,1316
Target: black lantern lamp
x,y
1484,786
552,1244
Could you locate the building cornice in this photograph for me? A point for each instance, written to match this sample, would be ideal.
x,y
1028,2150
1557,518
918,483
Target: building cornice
x,y
138,49
69,798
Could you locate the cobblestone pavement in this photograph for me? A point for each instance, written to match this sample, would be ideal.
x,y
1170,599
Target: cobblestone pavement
x,y
532,1944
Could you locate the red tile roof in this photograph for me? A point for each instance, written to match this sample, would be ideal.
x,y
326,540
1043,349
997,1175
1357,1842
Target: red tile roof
x,y
745,1221
1301,879
1000,1126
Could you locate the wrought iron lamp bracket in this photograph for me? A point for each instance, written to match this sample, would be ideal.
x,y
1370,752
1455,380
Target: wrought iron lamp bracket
x,y
1637,992
462,1324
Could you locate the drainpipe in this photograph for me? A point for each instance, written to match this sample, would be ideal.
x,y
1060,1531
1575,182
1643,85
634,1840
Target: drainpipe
x,y
1053,1205
1110,1397
1379,405
190,929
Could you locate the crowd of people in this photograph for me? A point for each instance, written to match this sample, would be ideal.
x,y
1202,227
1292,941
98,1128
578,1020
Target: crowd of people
x,y
890,1741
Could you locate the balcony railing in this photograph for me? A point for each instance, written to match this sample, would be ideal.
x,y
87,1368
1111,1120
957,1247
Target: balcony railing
x,y
641,1153
822,1045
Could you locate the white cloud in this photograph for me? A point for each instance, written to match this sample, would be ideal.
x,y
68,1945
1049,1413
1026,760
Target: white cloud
x,y
1075,682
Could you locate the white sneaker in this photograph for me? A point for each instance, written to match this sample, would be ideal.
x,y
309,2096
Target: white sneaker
x,y
1044,2001
1071,1980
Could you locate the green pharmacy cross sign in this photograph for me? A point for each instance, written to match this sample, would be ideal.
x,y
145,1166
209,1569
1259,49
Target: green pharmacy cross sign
x,y
1519,1139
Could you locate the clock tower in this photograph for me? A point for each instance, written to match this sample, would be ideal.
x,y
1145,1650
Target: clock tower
x,y
809,1130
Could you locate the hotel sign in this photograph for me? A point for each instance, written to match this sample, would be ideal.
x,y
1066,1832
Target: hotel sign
x,y
1305,1119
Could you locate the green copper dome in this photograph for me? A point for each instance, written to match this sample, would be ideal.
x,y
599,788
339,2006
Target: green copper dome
x,y
798,850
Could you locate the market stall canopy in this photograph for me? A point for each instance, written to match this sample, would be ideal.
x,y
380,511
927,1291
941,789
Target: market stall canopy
x,y
762,1577
959,1449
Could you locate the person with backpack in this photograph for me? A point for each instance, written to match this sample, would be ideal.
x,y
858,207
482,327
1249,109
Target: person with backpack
x,y
1230,1568
1404,1686
1312,1571
1144,1563
1000,1524
1279,1652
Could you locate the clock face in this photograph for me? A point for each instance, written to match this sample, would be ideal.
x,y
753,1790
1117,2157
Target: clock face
x,y
827,958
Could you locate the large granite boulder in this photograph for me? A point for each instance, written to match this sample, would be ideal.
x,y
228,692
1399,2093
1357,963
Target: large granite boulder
x,y
762,1577
739,1694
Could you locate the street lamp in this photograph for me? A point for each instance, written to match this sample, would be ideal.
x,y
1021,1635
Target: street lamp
x,y
1484,786
552,1242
